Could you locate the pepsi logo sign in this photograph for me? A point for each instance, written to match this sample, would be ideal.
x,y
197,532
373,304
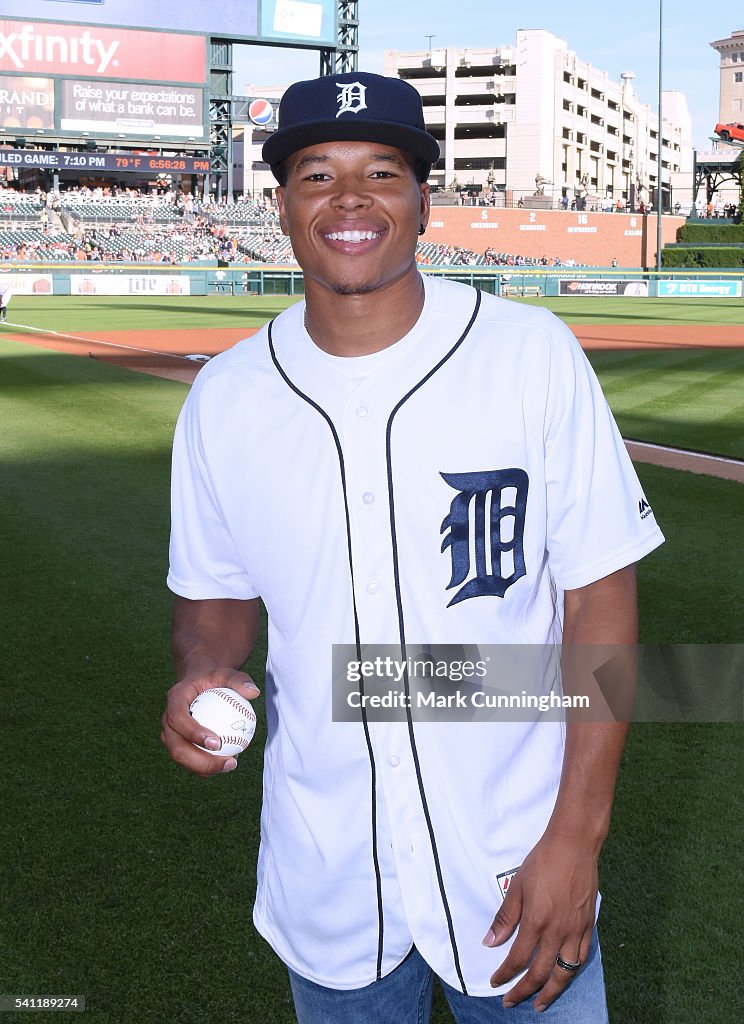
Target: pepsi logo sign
x,y
260,112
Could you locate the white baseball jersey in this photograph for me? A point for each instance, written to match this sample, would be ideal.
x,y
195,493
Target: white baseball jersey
x,y
339,491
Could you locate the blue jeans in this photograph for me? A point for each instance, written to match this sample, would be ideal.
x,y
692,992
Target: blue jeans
x,y
404,997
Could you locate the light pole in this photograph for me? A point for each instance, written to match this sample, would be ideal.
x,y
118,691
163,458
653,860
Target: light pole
x,y
660,140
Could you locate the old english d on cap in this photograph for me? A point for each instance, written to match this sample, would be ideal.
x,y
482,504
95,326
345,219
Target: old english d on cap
x,y
354,107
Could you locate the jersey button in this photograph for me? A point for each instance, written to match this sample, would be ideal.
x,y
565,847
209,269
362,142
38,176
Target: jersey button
x,y
373,587
368,497
394,761
361,410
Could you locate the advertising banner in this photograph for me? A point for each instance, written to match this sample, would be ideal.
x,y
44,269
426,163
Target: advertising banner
x,y
700,289
129,284
28,284
587,286
89,51
132,109
26,103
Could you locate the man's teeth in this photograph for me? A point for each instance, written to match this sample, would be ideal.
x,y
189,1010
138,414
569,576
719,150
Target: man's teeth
x,y
351,236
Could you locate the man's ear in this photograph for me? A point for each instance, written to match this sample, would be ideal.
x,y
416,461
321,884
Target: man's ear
x,y
279,193
425,203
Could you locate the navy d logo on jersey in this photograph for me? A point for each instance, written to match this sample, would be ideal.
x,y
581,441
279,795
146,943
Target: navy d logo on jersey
x,y
486,531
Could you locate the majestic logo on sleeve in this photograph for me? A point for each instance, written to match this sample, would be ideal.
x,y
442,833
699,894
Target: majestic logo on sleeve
x,y
351,99
486,531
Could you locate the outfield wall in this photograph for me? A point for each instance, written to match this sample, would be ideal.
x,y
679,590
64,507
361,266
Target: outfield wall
x,y
594,239
140,280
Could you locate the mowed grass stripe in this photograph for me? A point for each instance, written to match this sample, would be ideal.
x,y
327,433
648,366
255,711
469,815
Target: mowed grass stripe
x,y
686,399
71,313
632,310
122,313
73,394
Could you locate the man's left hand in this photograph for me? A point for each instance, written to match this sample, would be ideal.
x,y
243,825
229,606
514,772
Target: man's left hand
x,y
552,898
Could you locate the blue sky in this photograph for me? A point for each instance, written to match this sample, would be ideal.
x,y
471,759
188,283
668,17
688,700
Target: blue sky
x,y
614,38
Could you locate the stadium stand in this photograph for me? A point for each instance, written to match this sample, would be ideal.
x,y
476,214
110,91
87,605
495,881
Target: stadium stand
x,y
126,225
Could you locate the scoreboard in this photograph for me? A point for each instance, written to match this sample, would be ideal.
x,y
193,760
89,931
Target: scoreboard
x,y
132,163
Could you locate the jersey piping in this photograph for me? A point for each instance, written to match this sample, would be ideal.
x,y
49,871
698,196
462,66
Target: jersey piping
x,y
365,725
402,638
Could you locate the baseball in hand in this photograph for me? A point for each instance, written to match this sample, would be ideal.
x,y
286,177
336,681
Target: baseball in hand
x,y
229,715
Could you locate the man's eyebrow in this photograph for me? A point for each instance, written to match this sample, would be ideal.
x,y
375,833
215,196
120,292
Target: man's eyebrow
x,y
318,158
311,158
391,158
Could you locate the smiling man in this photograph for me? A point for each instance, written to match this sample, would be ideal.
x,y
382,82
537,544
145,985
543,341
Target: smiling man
x,y
398,459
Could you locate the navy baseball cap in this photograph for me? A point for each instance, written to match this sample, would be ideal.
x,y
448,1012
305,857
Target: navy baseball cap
x,y
353,107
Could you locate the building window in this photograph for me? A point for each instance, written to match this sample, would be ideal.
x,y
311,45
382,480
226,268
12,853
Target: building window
x,y
480,163
596,120
410,74
739,76
567,105
567,78
473,100
597,95
480,131
480,71
734,57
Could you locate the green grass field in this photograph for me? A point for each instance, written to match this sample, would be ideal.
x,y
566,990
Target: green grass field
x,y
120,871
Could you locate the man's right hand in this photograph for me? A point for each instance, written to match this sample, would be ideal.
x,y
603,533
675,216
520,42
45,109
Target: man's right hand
x,y
179,732
210,638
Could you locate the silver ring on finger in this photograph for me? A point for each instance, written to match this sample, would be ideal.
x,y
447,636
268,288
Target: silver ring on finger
x,y
567,965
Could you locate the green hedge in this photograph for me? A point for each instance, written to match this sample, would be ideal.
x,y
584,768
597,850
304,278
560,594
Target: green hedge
x,y
731,233
723,257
